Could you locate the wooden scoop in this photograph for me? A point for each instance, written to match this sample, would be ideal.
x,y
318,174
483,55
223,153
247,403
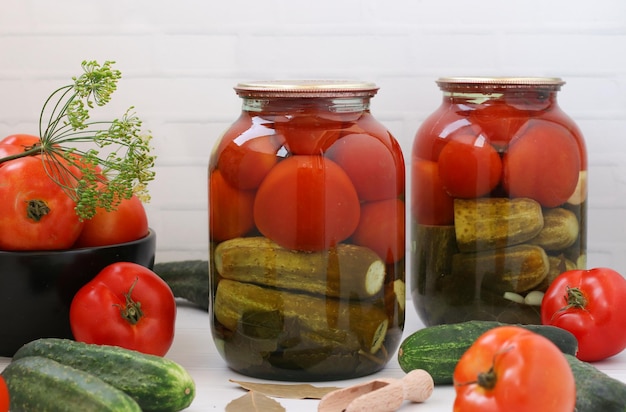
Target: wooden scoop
x,y
380,395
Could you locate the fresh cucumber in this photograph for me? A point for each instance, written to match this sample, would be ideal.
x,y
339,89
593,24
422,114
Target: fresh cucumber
x,y
188,279
156,383
41,384
437,349
595,390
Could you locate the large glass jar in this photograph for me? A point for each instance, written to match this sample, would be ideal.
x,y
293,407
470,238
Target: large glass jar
x,y
307,233
499,200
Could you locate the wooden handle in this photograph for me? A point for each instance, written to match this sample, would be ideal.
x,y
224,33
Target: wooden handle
x,y
380,395
418,385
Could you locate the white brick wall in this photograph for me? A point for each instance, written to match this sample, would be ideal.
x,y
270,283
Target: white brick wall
x,y
181,59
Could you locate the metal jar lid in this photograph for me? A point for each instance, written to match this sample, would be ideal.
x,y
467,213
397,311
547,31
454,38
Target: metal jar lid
x,y
306,88
499,83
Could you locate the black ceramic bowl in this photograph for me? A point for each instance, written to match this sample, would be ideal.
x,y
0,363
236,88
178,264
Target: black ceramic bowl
x,y
36,288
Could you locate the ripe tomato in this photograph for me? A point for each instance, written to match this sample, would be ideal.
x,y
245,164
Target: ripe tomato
x,y
125,305
308,132
230,209
4,396
381,229
433,134
22,140
591,305
469,166
499,121
510,369
431,204
367,123
543,163
35,212
371,165
307,203
9,150
126,223
245,159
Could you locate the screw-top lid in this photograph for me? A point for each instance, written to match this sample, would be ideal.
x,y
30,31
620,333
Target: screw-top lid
x,y
306,88
483,83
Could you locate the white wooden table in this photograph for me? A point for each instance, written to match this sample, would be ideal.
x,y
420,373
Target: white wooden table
x,y
194,349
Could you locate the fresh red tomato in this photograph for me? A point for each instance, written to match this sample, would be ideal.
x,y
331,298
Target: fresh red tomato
x,y
307,203
9,150
4,396
125,305
381,229
22,140
431,204
591,305
16,144
543,162
375,171
230,209
35,212
510,369
245,159
127,222
469,166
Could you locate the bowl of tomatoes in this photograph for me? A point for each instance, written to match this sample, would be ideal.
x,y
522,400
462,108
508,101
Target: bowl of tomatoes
x,y
70,205
48,251
37,287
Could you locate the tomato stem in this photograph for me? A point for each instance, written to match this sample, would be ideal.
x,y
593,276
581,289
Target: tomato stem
x,y
131,311
91,179
487,379
36,209
575,298
28,151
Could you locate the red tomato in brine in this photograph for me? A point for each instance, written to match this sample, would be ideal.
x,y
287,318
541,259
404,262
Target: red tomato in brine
x,y
469,166
381,228
307,203
543,163
245,165
309,133
247,151
431,204
230,209
433,133
370,164
499,121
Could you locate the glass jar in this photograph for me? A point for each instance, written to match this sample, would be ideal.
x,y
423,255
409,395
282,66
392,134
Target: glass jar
x,y
307,233
499,200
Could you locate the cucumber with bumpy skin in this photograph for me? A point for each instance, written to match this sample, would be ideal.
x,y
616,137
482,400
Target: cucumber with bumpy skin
x,y
595,390
156,383
437,349
41,384
188,279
